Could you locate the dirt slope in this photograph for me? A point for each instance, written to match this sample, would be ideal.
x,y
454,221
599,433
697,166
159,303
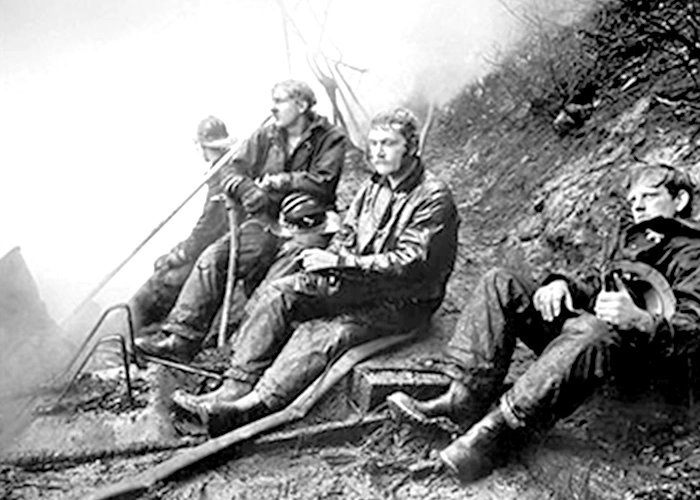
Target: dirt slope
x,y
534,153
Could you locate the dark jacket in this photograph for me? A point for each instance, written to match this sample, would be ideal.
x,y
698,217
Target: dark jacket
x,y
314,166
401,241
672,247
212,224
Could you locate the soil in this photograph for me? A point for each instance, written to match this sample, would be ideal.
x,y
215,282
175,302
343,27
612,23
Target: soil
x,y
532,196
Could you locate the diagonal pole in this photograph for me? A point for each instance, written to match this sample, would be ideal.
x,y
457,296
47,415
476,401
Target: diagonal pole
x,y
107,278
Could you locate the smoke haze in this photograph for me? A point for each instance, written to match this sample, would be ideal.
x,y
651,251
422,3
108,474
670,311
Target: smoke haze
x,y
99,102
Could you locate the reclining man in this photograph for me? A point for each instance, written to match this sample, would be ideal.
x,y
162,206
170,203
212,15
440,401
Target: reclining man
x,y
384,273
578,350
152,302
299,153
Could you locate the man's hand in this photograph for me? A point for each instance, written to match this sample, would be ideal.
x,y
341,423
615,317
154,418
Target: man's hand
x,y
252,197
618,309
175,258
548,299
274,182
316,259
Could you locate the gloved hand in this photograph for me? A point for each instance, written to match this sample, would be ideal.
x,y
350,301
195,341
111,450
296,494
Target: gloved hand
x,y
175,258
276,182
252,197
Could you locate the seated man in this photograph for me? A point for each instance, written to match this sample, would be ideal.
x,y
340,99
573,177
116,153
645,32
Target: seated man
x,y
152,302
384,273
633,318
300,152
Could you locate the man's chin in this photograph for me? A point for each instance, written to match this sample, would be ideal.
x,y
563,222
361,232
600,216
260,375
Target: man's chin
x,y
383,169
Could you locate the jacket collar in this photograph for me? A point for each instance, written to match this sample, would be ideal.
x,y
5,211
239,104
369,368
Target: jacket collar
x,y
667,226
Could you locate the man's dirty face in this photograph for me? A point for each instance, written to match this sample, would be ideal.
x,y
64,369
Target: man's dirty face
x,y
648,201
285,110
386,148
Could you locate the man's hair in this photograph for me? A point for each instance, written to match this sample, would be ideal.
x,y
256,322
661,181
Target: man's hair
x,y
674,179
402,121
297,90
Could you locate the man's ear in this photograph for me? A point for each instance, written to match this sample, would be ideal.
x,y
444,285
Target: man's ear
x,y
682,199
302,105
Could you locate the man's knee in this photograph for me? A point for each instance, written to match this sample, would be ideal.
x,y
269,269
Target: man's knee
x,y
500,281
256,247
589,328
586,333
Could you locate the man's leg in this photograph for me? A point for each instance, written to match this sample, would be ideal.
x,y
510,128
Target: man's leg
x,y
285,263
571,367
316,343
153,301
302,356
201,295
478,355
269,322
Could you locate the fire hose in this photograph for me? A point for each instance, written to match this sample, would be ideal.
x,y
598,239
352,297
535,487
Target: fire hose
x,y
231,271
141,483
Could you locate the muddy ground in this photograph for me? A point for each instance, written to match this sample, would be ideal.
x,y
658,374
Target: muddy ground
x,y
533,197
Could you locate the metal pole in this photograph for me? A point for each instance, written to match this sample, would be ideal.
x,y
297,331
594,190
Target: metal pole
x,y
210,173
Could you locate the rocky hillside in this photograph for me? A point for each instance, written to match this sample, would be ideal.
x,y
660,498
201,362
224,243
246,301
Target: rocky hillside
x,y
536,152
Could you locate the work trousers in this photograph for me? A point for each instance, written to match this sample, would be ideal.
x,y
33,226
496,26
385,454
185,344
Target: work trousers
x,y
296,327
575,354
261,255
156,297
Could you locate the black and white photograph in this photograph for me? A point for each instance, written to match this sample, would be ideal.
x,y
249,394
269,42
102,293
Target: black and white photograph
x,y
350,249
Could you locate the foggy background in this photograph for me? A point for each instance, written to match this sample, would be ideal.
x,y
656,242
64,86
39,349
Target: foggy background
x,y
99,102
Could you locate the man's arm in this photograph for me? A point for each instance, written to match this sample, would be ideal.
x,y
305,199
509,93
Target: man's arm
x,y
677,334
209,227
429,233
321,177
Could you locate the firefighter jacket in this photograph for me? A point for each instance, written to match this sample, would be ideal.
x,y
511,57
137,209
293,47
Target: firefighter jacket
x,y
672,247
211,224
401,242
314,166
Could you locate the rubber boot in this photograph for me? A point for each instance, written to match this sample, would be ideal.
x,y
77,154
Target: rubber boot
x,y
453,404
202,405
476,453
173,347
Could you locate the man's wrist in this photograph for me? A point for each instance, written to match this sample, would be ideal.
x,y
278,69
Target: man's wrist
x,y
644,322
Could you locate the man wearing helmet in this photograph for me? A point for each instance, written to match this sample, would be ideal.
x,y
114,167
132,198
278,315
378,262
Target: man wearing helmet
x,y
578,350
152,302
384,273
300,152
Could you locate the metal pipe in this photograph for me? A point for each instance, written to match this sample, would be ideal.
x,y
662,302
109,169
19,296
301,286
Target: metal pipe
x,y
210,173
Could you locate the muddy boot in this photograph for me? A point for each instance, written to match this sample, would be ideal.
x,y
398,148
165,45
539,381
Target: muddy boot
x,y
225,417
453,404
173,347
476,453
230,391
223,414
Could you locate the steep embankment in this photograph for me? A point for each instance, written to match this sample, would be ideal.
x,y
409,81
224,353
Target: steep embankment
x,y
536,152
